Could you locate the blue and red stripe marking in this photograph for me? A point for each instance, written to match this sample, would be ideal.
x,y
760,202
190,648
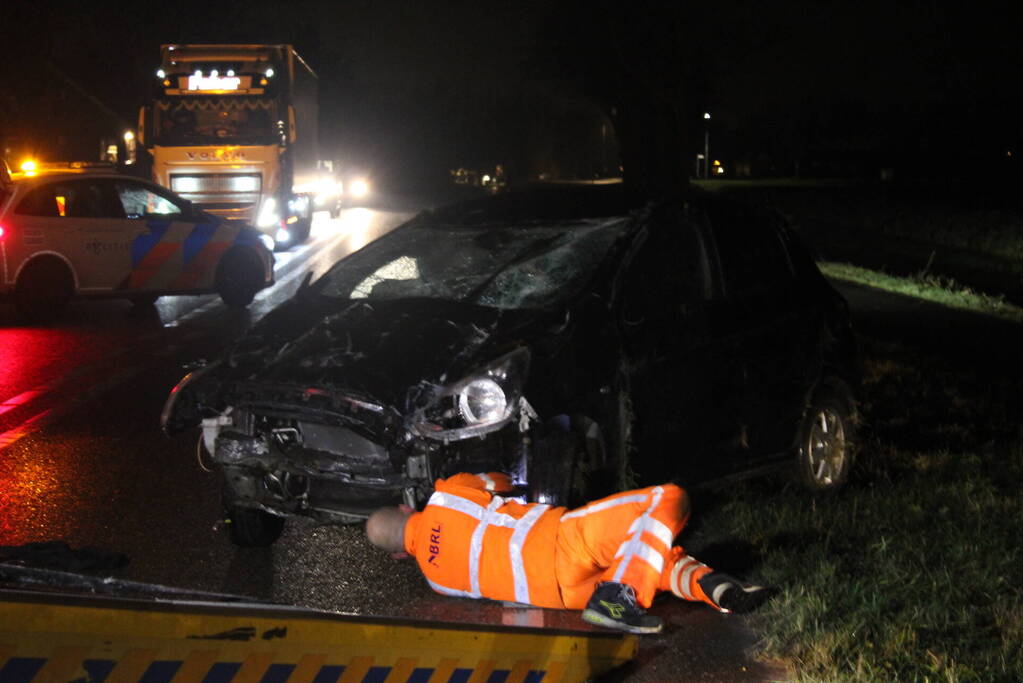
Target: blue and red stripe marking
x,y
200,254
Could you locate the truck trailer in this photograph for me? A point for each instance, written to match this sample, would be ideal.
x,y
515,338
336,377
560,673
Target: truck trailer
x,y
233,129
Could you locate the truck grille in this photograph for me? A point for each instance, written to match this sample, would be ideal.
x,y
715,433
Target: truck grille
x,y
216,183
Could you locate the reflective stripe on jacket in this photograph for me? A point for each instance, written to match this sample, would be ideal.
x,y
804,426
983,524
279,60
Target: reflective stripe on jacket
x,y
473,543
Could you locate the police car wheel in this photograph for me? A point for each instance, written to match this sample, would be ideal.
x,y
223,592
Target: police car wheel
x,y
239,277
44,289
252,528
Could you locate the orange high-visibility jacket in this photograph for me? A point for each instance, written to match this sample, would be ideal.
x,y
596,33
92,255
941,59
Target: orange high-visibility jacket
x,y
472,543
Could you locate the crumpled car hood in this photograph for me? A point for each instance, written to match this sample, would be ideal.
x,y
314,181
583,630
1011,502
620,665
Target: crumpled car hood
x,y
379,350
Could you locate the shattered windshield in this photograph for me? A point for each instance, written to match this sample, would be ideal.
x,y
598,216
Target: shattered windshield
x,y
509,267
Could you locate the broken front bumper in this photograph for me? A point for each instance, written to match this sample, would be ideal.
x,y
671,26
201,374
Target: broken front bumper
x,y
333,472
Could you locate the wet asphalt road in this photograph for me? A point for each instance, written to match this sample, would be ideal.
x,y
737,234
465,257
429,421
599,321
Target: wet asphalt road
x,y
82,459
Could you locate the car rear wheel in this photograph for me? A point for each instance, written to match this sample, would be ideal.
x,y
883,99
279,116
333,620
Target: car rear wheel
x,y
827,438
44,289
239,277
253,528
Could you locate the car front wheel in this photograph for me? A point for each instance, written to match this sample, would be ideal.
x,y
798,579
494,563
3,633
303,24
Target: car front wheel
x,y
569,467
553,468
239,277
827,438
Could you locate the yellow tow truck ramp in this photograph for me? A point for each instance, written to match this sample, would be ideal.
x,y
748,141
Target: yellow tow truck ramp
x,y
56,637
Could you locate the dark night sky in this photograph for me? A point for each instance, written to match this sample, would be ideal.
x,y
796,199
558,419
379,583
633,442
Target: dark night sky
x,y
459,79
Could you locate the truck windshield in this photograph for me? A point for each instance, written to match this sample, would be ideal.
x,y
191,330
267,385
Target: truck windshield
x,y
212,120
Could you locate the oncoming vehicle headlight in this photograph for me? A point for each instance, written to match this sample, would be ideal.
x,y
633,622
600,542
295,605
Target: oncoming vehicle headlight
x,y
358,187
481,403
268,213
327,190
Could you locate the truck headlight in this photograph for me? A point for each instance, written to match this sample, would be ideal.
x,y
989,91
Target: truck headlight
x,y
481,403
268,214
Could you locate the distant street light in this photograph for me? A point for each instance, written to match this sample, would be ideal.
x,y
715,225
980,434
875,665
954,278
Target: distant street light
x,y
130,152
706,145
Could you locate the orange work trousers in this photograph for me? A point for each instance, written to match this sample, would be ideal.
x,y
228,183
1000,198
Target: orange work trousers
x,y
627,538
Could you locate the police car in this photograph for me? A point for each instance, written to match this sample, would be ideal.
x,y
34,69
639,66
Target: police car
x,y
84,230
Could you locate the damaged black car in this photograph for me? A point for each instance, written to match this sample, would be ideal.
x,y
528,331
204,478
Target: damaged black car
x,y
560,335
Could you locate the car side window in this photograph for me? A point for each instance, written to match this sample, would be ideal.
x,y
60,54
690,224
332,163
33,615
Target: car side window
x,y
139,201
668,270
753,258
69,199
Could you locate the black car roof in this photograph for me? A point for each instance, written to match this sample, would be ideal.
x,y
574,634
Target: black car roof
x,y
541,202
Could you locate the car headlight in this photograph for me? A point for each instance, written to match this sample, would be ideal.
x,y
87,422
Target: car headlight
x,y
482,400
481,403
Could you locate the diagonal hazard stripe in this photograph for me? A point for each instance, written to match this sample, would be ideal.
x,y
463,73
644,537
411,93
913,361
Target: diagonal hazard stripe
x,y
197,665
152,261
131,667
143,244
64,665
356,670
197,239
202,267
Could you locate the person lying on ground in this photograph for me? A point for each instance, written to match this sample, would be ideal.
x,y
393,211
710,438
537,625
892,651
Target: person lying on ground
x,y
608,558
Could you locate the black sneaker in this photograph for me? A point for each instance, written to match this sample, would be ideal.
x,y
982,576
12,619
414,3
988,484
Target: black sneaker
x,y
732,595
613,605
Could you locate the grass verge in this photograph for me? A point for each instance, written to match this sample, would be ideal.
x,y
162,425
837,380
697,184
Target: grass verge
x,y
942,290
913,572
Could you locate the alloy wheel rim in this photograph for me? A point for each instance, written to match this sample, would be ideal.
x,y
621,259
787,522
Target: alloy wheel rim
x,y
826,448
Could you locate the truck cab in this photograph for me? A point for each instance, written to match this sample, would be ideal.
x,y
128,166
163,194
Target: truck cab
x,y
233,129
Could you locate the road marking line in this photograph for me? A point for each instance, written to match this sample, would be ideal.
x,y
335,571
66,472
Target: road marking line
x,y
19,400
24,429
33,424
